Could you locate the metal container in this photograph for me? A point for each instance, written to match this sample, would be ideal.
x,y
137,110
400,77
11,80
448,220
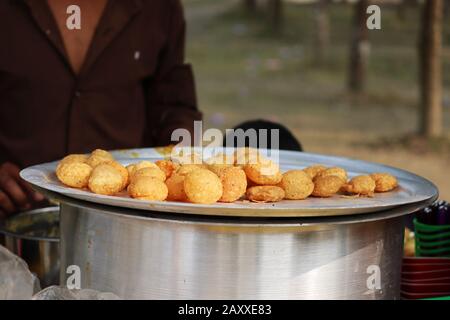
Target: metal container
x,y
34,236
138,255
335,248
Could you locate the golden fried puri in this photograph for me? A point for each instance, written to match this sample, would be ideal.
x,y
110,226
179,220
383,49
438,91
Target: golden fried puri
x,y
203,186
187,168
335,171
384,182
123,172
167,166
105,180
144,164
219,162
360,185
234,182
102,154
147,188
265,194
131,168
327,186
175,186
149,172
297,185
74,174
314,170
82,158
263,173
99,157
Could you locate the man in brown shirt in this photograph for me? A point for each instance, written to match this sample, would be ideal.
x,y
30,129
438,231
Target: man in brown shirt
x,y
118,82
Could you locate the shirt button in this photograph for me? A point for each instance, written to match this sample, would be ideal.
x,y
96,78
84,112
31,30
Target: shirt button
x,y
77,94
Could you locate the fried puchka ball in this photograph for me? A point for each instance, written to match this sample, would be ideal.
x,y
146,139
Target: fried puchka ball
x,y
132,168
297,185
71,158
384,182
149,172
105,180
145,164
123,172
99,156
360,185
335,171
74,174
234,182
147,188
264,173
175,186
219,162
203,186
265,194
314,170
327,186
187,168
167,166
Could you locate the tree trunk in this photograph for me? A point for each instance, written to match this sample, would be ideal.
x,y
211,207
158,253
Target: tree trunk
x,y
250,6
322,31
359,48
430,51
275,8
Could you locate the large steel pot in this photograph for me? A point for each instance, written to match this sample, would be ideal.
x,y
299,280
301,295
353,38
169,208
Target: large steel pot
x,y
34,236
167,256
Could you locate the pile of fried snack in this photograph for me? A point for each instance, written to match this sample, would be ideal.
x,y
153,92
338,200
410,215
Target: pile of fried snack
x,y
244,175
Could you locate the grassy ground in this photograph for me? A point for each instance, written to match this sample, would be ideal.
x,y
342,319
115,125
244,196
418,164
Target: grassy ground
x,y
245,71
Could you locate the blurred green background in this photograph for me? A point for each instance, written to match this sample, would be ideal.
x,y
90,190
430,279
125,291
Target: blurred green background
x,y
246,70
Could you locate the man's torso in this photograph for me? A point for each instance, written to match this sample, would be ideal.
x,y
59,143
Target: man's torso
x,y
77,41
47,110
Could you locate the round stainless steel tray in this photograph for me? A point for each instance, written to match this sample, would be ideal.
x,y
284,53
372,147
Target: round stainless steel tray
x,y
413,190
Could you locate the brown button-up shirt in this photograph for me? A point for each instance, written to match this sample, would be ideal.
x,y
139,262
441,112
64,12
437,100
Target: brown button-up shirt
x,y
133,89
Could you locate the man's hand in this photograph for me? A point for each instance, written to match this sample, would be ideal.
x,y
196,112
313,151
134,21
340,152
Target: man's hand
x,y
15,194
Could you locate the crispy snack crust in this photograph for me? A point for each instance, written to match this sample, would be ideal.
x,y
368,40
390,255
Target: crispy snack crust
x,y
265,194
71,158
123,172
335,171
98,157
148,188
314,170
264,173
149,172
105,180
144,164
74,174
361,185
234,182
297,185
175,186
325,187
384,182
203,186
187,168
167,166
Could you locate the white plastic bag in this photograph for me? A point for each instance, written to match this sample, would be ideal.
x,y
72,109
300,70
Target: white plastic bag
x,y
16,280
61,293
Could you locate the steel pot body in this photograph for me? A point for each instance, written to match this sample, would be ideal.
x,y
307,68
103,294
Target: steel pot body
x,y
174,257
34,236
